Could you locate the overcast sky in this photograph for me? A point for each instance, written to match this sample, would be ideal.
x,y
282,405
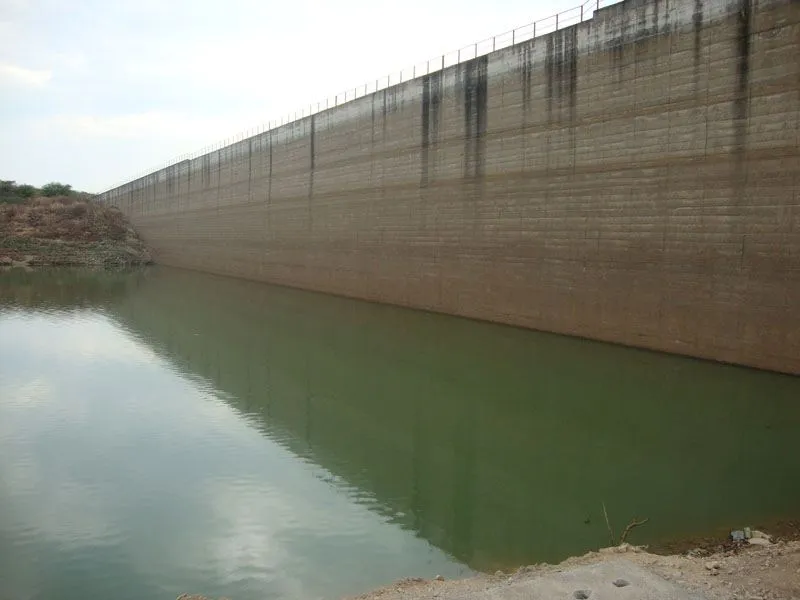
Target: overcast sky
x,y
94,91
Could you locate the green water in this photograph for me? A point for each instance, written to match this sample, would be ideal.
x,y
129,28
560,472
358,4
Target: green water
x,y
166,431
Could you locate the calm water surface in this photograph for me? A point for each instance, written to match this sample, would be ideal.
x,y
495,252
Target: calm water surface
x,y
166,431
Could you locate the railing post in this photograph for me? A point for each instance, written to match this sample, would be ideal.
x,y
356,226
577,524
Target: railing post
x,y
414,72
534,29
581,13
514,34
598,4
476,49
494,44
556,21
459,56
442,62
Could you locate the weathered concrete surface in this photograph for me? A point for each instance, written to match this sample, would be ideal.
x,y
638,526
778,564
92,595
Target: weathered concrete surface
x,y
596,583
634,178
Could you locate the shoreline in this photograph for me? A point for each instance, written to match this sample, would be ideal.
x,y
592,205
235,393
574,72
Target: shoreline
x,y
749,572
766,569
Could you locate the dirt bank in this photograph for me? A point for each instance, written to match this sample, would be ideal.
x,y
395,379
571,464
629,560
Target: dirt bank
x,y
743,572
67,232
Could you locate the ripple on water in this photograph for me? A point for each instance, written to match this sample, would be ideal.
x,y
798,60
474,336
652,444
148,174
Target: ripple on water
x,y
243,441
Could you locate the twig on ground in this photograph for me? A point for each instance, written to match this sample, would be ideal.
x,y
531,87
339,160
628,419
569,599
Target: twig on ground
x,y
608,524
631,525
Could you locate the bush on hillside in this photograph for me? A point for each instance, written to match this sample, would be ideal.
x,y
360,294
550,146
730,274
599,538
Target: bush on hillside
x,y
10,192
54,188
49,218
27,191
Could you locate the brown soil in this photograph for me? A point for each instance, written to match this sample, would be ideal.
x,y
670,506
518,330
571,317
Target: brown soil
x,y
746,573
63,231
780,531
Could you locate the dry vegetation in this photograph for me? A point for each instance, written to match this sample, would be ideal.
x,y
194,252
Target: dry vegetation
x,y
65,230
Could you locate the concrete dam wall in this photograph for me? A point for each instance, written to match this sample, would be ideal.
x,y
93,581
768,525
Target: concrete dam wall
x,y
634,178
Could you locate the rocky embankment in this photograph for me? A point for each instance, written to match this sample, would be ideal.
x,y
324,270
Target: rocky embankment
x,y
67,232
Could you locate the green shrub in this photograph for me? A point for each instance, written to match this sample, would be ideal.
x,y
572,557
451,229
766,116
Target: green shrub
x,y
27,191
9,192
54,188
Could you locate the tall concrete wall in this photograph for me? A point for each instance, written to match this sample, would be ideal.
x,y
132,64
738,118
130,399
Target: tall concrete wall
x,y
634,178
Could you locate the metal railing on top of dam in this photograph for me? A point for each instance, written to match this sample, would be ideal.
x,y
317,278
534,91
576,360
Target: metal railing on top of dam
x,y
543,26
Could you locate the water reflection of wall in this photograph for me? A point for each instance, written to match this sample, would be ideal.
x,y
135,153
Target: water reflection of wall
x,y
496,444
60,288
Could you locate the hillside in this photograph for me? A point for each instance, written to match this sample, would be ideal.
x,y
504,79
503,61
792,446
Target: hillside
x,y
65,231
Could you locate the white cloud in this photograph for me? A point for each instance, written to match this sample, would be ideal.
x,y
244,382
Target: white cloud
x,y
138,82
72,60
10,7
13,75
116,126
149,125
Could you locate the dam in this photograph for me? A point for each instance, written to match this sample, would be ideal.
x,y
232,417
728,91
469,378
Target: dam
x,y
631,178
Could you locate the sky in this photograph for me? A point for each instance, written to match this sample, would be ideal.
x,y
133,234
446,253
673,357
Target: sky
x,y
94,92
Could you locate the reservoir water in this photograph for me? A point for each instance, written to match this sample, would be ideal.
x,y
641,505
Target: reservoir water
x,y
165,431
